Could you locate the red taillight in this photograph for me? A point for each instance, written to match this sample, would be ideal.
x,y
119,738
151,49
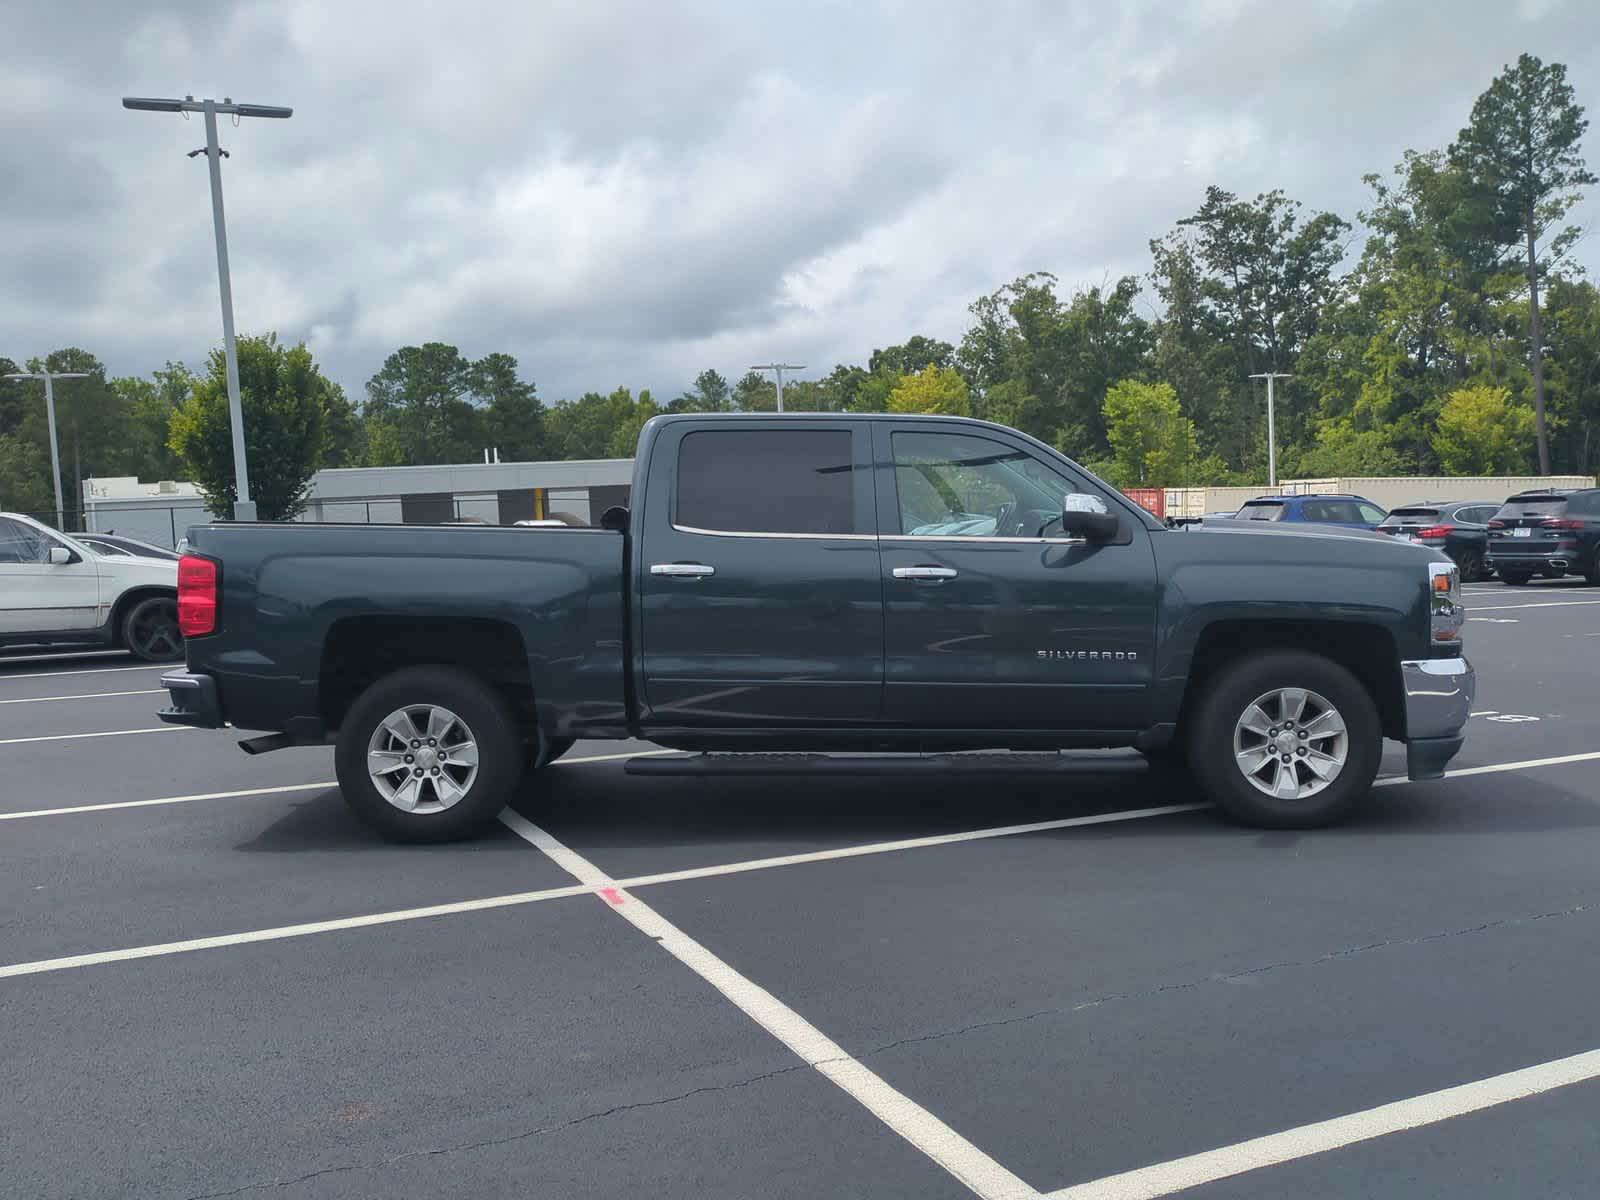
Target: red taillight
x,y
1561,523
1497,524
1436,531
197,596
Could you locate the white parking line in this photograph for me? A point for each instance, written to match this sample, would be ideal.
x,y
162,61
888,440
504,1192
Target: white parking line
x,y
1497,768
85,671
85,696
1545,604
107,807
982,1174
1162,1179
520,898
68,737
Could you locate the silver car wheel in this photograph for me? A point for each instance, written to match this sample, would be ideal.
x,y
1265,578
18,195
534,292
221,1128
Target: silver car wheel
x,y
422,758
1290,743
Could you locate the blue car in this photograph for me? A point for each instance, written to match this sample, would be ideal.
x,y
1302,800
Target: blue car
x,y
1353,512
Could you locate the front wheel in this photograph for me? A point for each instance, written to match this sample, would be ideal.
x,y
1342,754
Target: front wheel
x,y
150,630
1285,739
428,754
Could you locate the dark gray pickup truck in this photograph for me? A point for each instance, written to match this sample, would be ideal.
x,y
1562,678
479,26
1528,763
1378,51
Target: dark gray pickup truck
x,y
816,593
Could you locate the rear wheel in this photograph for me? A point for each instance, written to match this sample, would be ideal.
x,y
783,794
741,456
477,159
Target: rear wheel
x,y
1471,565
1591,574
150,630
1285,739
428,754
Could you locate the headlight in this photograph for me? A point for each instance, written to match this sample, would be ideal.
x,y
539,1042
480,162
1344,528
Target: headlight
x,y
1444,603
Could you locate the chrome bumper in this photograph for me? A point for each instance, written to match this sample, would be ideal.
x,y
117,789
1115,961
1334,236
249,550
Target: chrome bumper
x,y
1439,693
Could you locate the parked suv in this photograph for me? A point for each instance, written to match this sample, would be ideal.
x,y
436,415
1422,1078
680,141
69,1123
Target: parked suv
x,y
1547,533
1352,511
55,591
1458,527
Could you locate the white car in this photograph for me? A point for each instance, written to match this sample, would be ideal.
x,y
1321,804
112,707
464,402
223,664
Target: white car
x,y
56,591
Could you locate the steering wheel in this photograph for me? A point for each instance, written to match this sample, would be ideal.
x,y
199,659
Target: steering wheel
x,y
1048,521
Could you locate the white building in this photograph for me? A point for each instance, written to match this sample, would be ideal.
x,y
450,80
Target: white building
x,y
492,493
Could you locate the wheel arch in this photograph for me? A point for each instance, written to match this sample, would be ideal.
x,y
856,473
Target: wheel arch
x,y
129,598
1367,651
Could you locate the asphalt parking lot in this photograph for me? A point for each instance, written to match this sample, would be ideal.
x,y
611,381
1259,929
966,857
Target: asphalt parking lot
x,y
216,983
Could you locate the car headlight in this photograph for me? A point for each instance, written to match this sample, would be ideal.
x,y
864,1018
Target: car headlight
x,y
1445,614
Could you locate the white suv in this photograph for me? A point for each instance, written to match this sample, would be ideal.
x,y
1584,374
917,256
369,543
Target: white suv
x,y
56,591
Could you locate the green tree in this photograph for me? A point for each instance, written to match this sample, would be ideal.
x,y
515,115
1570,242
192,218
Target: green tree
x,y
1521,148
839,390
25,477
1152,442
1573,336
1246,282
422,393
625,437
513,416
911,356
283,397
710,393
755,393
1482,431
933,389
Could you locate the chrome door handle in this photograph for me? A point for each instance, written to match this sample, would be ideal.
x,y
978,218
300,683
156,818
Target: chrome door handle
x,y
925,572
682,570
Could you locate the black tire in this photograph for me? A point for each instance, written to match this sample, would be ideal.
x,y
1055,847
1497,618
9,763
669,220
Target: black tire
x,y
1591,574
482,715
1471,565
1514,576
150,630
1211,749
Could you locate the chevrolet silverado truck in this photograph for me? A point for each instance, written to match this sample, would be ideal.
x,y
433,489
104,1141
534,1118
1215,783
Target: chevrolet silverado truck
x,y
827,593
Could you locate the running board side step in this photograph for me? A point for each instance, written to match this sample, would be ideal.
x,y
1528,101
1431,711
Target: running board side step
x,y
968,763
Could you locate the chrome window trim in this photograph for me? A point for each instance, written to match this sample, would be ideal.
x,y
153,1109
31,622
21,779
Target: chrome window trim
x,y
973,540
978,540
742,533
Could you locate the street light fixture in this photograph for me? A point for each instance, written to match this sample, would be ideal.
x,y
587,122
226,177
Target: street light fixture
x,y
778,369
244,508
50,413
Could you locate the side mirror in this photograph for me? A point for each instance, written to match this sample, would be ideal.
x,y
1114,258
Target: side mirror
x,y
60,556
1085,516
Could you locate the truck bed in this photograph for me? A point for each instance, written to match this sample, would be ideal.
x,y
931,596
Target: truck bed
x,y
301,601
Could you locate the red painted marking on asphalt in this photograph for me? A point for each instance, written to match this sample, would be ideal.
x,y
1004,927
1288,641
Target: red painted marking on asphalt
x,y
614,896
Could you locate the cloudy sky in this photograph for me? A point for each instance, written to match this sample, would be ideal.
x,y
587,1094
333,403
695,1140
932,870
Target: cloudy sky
x,y
625,193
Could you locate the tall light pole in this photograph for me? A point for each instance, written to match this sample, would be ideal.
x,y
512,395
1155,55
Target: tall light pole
x,y
50,414
778,369
244,508
1272,429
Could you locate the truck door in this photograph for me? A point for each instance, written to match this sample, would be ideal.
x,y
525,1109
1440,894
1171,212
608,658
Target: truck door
x,y
760,595
993,619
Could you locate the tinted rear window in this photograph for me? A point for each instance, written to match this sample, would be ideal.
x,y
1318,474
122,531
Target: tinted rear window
x,y
1534,506
1267,510
767,481
1332,511
1396,513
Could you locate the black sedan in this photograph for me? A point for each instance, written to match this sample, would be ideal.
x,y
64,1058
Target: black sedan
x,y
1458,527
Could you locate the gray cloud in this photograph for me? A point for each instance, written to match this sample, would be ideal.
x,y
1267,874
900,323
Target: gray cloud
x,y
626,193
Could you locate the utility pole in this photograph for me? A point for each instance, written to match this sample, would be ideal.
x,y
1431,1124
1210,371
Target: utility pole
x,y
1272,428
778,369
244,508
49,378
